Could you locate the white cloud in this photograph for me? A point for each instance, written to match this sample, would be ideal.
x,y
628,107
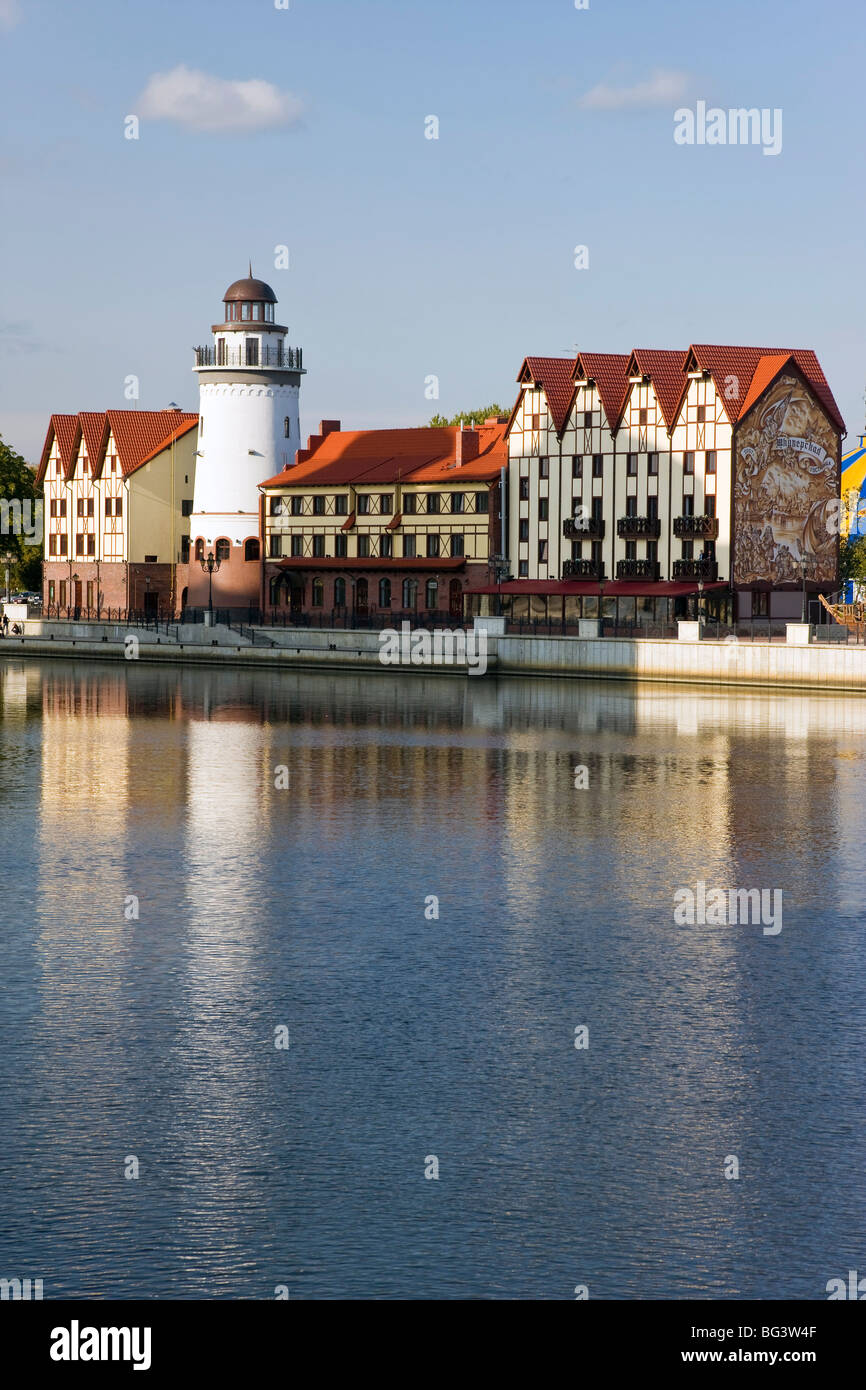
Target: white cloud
x,y
662,88
201,102
10,14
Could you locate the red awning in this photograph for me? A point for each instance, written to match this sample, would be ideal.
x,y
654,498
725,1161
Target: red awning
x,y
614,588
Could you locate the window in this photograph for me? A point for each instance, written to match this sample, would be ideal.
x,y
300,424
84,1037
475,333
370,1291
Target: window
x,y
577,465
710,505
341,547
252,351
544,468
318,596
631,550
79,543
91,545
524,489
597,465
52,545
275,547
199,549
587,419
688,504
63,593
643,417
410,503
51,591
410,593
363,546
363,504
652,551
245,311
522,569
113,463
631,506
523,533
536,422
151,559
223,549
408,547
688,463
631,465
341,504
184,550
297,506
79,507
118,506
318,506
652,508
107,506
431,594
257,311
711,461
276,506
63,546
386,503
432,503
542,508
576,550
456,546
386,545
760,604
297,546
186,506
542,552
457,502
702,414
688,550
653,465
597,508
251,548
339,593
482,502
63,506
384,593
432,547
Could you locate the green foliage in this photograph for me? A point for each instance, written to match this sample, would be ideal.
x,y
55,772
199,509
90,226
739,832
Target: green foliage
x,y
18,484
470,417
852,558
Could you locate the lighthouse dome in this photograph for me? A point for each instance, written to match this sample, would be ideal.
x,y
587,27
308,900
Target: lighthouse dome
x,y
250,291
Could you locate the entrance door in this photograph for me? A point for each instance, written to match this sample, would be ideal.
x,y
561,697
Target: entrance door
x,y
297,600
151,605
361,598
455,599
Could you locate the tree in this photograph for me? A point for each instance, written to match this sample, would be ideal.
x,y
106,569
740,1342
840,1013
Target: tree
x,y
470,417
852,558
20,519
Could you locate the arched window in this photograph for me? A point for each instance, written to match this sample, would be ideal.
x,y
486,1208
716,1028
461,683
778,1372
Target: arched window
x,y
410,593
339,593
432,593
384,593
318,593
251,548
199,549
223,549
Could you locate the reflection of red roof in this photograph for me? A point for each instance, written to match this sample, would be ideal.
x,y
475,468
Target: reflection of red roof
x,y
609,371
138,434
665,370
423,455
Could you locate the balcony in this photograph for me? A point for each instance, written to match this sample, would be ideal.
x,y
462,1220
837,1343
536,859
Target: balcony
x,y
708,570
286,358
583,569
589,528
633,528
696,527
637,569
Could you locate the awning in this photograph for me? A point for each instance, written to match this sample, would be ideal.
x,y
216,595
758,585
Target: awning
x,y
613,588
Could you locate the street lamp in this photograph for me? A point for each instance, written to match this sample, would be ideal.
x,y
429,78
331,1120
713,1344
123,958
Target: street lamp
x,y
700,599
803,567
209,566
601,583
74,582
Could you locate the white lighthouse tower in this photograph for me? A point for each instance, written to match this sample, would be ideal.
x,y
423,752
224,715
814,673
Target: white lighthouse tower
x,y
249,383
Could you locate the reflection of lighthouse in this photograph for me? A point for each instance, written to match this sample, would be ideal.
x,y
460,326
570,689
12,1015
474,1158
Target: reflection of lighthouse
x,y
249,382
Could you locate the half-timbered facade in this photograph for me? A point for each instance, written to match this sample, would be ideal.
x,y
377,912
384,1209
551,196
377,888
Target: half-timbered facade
x,y
117,497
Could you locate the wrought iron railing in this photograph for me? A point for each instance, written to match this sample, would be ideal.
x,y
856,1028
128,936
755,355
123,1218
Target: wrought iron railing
x,y
589,528
637,569
287,358
637,527
704,527
583,569
696,569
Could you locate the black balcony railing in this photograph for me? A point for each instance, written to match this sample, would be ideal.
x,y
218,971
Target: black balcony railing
x,y
589,528
638,527
696,569
637,569
704,527
287,358
583,569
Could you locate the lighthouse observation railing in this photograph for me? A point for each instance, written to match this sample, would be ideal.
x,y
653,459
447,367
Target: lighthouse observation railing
x,y
250,355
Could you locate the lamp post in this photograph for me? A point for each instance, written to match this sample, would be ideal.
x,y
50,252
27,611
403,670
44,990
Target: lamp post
x,y
601,584
7,560
74,581
803,567
700,599
208,567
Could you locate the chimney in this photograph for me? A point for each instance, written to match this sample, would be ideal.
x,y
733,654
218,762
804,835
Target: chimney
x,y
466,446
327,427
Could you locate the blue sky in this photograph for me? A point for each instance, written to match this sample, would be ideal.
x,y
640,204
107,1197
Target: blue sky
x,y
412,257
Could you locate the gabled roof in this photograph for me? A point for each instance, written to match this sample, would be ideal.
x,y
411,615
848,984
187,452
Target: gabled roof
x,y
727,362
62,428
609,371
664,367
138,434
422,455
554,376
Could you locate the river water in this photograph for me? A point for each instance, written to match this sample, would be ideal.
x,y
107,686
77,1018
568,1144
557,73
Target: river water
x,y
404,880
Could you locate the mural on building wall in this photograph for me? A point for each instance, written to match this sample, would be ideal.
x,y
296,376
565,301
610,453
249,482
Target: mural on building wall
x,y
786,490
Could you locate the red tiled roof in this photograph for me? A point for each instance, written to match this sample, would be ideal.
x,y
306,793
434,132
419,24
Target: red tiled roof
x,y
665,370
767,369
554,376
63,428
609,371
92,427
727,362
140,434
363,457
